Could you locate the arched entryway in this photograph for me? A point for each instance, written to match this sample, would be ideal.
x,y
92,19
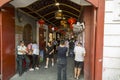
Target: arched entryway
x,y
27,34
96,39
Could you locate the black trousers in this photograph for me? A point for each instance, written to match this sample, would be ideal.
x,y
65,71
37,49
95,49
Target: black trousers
x,y
35,61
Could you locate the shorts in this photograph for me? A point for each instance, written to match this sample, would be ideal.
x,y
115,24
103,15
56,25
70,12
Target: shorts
x,y
50,55
78,64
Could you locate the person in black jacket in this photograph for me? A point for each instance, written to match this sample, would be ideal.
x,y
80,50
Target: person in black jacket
x,y
71,48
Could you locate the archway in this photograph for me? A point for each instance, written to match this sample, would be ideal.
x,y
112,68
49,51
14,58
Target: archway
x,y
96,40
27,34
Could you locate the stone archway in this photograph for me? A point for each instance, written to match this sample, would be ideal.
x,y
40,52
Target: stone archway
x,y
27,34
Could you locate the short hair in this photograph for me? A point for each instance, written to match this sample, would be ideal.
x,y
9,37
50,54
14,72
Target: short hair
x,y
62,42
80,43
22,41
34,42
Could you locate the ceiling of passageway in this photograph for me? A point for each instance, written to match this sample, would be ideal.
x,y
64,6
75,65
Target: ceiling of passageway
x,y
46,10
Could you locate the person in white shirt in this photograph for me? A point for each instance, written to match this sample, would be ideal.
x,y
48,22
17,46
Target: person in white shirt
x,y
67,45
21,54
35,55
79,59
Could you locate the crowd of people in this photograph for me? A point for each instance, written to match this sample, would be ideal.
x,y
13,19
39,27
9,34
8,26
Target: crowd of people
x,y
61,48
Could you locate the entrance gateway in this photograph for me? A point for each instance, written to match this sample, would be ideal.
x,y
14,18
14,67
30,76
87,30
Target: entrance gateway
x,y
94,41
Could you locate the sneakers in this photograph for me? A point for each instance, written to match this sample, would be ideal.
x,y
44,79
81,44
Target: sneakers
x,y
46,67
52,64
31,69
37,68
77,78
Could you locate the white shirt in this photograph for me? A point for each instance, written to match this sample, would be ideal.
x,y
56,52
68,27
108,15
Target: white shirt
x,y
67,44
21,48
35,48
79,52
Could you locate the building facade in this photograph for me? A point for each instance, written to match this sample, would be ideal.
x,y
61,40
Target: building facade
x,y
111,52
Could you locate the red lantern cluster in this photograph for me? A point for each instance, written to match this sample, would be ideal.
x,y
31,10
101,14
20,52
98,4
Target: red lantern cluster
x,y
50,27
62,32
41,22
71,21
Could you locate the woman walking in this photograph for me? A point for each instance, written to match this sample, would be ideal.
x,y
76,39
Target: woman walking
x,y
49,54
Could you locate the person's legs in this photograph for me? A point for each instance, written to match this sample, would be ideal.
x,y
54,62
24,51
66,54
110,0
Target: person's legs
x,y
75,72
27,62
33,62
47,62
52,58
59,72
78,72
64,71
71,53
36,62
80,65
20,65
75,68
52,61
33,65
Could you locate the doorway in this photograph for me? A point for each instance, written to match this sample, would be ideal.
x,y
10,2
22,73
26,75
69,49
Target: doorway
x,y
27,34
92,42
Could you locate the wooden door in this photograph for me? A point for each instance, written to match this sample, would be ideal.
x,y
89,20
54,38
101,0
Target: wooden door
x,y
7,42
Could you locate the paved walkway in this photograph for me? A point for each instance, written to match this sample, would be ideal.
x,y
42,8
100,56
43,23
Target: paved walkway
x,y
47,74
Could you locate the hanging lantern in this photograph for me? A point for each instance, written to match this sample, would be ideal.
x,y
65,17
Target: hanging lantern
x,y
55,28
63,23
41,22
62,32
71,21
58,14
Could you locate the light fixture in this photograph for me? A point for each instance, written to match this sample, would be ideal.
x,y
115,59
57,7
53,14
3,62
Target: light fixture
x,y
58,14
57,4
59,10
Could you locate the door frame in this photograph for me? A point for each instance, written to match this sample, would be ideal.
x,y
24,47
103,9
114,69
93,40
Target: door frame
x,y
99,7
99,37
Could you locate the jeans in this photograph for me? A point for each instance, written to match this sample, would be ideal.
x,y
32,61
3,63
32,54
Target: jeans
x,y
62,67
71,52
20,63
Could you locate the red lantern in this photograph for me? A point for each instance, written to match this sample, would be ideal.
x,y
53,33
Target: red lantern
x,y
55,28
50,26
41,22
71,21
62,32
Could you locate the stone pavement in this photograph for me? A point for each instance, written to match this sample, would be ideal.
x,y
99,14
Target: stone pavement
x,y
47,74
